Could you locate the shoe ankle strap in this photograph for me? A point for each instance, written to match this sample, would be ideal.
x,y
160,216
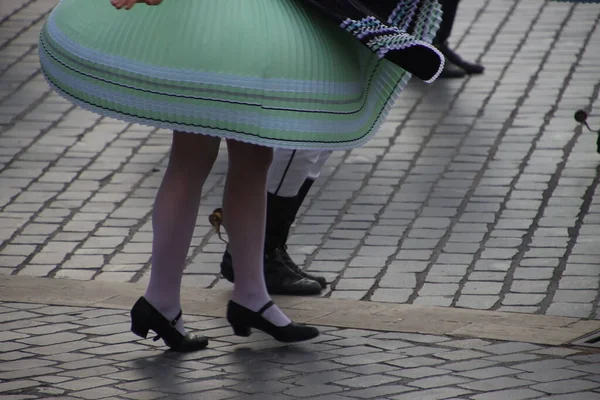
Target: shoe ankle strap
x,y
177,318
265,307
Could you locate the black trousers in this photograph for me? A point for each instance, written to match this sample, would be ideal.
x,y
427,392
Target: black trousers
x,y
449,8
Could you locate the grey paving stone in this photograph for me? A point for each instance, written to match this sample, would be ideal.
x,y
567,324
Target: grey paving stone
x,y
391,295
544,365
482,288
312,390
590,368
413,337
86,383
510,348
16,385
488,276
576,396
468,365
529,286
99,393
566,386
487,373
574,296
28,373
314,366
432,394
24,364
499,383
378,391
420,372
551,375
570,309
477,301
521,299
438,381
513,394
367,381
569,282
53,338
458,355
533,273
364,359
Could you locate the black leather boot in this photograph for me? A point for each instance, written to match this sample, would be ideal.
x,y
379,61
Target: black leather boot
x,y
280,279
288,216
282,274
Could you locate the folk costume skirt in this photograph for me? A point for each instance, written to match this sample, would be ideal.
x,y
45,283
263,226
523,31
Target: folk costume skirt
x,y
278,73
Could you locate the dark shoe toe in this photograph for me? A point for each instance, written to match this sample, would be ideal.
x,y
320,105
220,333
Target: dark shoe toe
x,y
319,279
190,343
297,285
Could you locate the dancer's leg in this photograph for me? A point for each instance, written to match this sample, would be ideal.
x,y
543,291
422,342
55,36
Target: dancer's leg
x,y
174,218
244,205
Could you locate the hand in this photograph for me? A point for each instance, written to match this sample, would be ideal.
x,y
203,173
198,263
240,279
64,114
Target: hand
x,y
130,3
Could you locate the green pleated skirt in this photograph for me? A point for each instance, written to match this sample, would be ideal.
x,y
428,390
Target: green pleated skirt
x,y
268,72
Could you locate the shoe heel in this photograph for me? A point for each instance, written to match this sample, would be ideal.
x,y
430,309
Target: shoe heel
x,y
139,329
240,330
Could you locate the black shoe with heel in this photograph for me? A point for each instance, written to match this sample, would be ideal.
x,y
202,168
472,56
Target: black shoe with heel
x,y
144,317
242,320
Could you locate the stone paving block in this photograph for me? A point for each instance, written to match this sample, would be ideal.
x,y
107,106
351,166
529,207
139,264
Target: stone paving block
x,y
576,396
494,384
312,390
551,375
86,383
510,348
367,381
53,338
458,355
419,372
144,395
468,365
574,296
482,288
477,301
378,391
62,348
544,365
391,295
488,373
438,381
578,283
434,300
513,394
432,394
566,386
529,286
99,393
16,385
520,299
570,309
77,274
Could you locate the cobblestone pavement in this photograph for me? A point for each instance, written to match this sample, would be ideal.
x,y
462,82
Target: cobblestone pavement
x,y
478,193
88,353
